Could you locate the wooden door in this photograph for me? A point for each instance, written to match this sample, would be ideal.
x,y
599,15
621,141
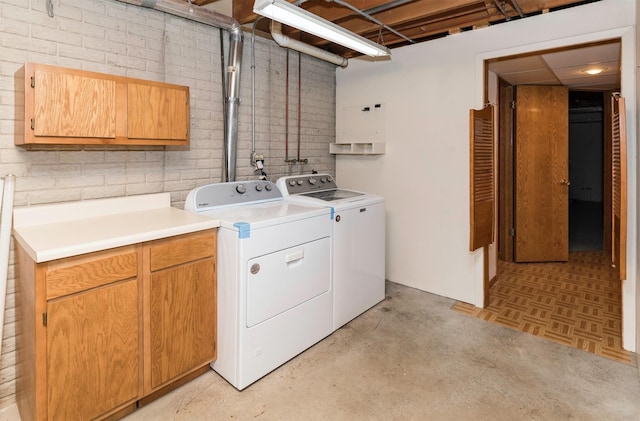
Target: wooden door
x,y
69,103
541,174
180,313
619,186
93,351
482,180
182,320
157,112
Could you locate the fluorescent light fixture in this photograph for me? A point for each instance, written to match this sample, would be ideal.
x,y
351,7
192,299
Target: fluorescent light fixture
x,y
297,17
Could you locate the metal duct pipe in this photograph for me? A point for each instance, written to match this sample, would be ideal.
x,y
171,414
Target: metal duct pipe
x,y
232,100
286,42
502,10
371,18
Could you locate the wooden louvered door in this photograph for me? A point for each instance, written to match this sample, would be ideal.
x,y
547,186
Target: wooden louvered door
x,y
541,174
482,179
619,186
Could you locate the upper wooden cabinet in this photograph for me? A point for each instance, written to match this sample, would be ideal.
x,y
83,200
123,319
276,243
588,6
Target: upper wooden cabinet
x,y
68,106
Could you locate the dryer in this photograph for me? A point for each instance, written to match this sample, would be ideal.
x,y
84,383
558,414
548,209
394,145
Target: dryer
x,y
358,221
274,296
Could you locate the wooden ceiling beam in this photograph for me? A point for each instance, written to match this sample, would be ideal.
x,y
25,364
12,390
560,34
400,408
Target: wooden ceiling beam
x,y
399,18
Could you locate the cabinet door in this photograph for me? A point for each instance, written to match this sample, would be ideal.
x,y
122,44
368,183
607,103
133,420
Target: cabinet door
x,y
73,104
157,112
182,319
93,351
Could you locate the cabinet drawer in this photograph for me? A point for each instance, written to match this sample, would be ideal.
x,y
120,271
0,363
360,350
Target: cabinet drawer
x,y
75,274
185,248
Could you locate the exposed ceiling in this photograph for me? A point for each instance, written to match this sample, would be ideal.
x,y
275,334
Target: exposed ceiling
x,y
415,20
425,20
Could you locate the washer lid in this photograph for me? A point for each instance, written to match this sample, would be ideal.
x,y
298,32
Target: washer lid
x,y
331,195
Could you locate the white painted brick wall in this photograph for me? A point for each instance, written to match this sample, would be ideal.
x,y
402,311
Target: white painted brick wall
x,y
112,37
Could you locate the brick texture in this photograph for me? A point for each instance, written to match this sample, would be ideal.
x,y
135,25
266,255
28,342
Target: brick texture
x,y
113,37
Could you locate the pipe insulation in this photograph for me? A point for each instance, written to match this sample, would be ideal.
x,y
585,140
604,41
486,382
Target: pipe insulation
x,y
293,44
6,215
232,101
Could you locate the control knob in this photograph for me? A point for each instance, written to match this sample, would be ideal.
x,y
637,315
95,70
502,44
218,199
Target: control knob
x,y
323,179
240,188
300,182
329,179
312,181
292,182
268,187
258,187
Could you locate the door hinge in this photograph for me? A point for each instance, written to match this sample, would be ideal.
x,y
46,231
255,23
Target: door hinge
x,y
512,232
512,104
44,319
33,81
33,124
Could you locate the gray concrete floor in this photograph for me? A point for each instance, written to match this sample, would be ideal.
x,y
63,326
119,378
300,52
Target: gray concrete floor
x,y
413,358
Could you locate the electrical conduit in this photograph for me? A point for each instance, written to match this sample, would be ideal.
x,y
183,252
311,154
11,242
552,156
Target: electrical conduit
x,y
293,44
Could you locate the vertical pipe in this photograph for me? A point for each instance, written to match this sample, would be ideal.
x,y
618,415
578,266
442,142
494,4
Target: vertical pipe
x,y
224,99
253,89
299,99
233,101
5,243
286,113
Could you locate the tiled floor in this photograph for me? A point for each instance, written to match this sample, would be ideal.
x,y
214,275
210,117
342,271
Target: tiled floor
x,y
577,303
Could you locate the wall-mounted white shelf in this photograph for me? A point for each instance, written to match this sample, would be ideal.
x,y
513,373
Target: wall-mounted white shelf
x,y
357,148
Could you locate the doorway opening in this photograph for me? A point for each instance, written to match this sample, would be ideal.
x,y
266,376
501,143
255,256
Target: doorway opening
x,y
561,309
586,171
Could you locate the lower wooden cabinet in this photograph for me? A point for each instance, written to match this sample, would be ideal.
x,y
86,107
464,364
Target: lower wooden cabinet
x,y
99,333
182,326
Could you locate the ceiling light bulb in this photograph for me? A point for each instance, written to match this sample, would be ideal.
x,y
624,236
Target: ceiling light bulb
x,y
594,70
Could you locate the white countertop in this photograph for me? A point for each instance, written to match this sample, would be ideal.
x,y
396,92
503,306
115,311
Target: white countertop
x,y
49,232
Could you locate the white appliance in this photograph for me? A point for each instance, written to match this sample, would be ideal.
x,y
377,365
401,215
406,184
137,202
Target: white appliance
x,y
358,241
274,276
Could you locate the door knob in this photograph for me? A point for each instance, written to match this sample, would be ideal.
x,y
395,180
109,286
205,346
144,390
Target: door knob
x,y
565,182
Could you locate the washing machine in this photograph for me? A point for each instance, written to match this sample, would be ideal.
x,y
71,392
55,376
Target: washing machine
x,y
358,221
274,261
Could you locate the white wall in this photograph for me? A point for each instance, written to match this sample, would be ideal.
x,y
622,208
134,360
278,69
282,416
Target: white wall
x,y
111,37
428,90
637,186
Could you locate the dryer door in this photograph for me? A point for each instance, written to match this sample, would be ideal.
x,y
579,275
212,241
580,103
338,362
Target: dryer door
x,y
279,281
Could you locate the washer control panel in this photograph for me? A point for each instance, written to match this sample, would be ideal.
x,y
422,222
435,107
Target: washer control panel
x,y
298,184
